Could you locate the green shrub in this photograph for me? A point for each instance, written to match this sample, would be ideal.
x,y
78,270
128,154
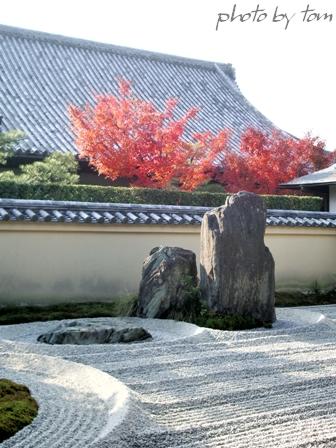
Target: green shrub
x,y
229,322
198,313
17,408
58,168
211,187
191,301
95,193
8,141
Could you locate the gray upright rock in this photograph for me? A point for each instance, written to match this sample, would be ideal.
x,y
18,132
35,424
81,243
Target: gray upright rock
x,y
168,275
237,269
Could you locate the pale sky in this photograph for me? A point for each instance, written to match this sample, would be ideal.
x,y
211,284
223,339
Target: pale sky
x,y
289,75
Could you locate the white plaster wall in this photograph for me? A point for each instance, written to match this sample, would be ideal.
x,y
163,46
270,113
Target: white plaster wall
x,y
48,263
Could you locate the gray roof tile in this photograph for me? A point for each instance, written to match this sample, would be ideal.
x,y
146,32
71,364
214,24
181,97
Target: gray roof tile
x,y
327,176
108,213
42,74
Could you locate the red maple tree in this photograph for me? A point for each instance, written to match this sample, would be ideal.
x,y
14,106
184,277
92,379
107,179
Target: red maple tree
x,y
267,160
124,136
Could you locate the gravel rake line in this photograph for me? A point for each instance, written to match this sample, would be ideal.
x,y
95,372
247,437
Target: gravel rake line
x,y
250,389
62,422
207,381
164,356
228,414
197,364
255,403
217,371
259,435
72,411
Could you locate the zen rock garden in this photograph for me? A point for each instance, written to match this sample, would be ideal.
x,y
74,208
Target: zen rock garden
x,y
159,380
236,278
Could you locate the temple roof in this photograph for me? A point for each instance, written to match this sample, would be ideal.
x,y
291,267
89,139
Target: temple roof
x,y
42,74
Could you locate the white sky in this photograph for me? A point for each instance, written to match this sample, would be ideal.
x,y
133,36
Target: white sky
x,y
289,75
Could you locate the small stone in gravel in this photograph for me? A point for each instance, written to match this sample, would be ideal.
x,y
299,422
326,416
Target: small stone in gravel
x,y
78,333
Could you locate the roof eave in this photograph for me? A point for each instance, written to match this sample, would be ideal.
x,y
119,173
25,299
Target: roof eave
x,y
310,185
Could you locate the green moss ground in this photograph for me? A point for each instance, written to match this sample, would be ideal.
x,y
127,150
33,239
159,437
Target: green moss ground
x,y
17,408
22,314
229,322
125,306
285,299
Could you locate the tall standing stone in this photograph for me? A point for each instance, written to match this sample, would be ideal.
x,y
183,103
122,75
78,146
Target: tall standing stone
x,y
237,269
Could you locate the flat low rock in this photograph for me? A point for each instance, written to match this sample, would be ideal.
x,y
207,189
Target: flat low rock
x,y
77,333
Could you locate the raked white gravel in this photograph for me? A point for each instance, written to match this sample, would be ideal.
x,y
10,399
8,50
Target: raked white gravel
x,y
189,387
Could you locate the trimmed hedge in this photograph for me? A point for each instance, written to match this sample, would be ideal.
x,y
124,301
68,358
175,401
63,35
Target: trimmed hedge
x,y
95,193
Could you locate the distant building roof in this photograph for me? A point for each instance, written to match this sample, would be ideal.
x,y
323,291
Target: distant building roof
x,y
105,213
42,74
326,176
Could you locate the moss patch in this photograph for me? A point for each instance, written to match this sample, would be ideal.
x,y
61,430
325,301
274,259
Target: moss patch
x,y
234,322
196,312
17,408
286,299
22,314
126,306
229,322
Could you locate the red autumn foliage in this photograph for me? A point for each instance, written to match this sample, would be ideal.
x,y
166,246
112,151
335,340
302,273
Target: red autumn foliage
x,y
267,160
123,136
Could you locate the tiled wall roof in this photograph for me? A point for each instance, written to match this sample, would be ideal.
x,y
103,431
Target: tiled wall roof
x,y
98,213
41,74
